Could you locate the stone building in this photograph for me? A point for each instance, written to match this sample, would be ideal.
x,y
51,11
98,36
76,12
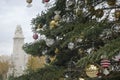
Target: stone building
x,y
18,58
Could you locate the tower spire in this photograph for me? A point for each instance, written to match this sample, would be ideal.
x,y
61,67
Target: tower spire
x,y
18,32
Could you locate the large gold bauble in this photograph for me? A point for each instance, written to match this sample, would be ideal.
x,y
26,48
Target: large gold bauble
x,y
111,2
29,1
91,70
52,24
117,14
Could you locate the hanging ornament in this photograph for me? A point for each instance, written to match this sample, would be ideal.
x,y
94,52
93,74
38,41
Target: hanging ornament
x,y
105,63
117,14
111,2
45,2
106,71
39,27
78,11
56,50
70,4
99,13
81,51
53,24
57,16
81,79
49,42
35,36
71,45
29,3
92,70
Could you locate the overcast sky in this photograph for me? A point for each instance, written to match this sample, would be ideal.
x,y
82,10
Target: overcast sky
x,y
12,13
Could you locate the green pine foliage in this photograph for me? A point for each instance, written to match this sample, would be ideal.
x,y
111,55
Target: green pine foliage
x,y
84,31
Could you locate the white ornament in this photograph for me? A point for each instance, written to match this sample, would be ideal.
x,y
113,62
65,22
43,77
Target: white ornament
x,y
79,40
49,42
105,71
71,45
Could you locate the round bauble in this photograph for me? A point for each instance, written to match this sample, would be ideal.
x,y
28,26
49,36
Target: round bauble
x,y
35,36
105,63
49,42
53,24
71,45
111,2
117,14
46,0
92,70
99,13
29,1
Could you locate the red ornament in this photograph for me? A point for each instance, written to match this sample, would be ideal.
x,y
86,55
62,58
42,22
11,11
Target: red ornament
x,y
45,1
105,63
35,36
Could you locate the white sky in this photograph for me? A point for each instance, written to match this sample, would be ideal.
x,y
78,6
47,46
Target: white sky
x,y
12,13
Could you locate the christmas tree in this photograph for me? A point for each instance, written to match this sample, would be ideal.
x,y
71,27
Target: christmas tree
x,y
82,37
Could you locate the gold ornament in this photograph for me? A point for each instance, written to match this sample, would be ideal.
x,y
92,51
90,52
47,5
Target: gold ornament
x,y
78,11
29,1
81,79
39,27
99,13
53,24
52,58
57,16
91,70
56,50
117,14
81,51
111,2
